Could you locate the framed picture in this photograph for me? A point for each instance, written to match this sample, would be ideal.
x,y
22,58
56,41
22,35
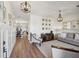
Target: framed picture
x,y
42,19
46,20
49,24
46,24
42,28
42,23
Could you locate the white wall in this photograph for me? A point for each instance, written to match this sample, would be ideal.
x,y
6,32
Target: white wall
x,y
11,39
56,25
8,11
7,30
23,24
7,34
36,24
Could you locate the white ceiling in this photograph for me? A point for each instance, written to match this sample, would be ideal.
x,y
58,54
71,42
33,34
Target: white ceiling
x,y
19,14
48,8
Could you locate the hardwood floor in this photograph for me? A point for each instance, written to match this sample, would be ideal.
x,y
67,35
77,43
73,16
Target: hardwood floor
x,y
23,49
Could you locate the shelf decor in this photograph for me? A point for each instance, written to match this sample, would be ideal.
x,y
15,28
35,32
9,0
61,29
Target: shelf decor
x,y
46,24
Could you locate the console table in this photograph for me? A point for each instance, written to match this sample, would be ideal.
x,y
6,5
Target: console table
x,y
47,37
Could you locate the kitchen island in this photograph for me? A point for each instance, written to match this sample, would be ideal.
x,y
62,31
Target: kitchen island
x,y
64,50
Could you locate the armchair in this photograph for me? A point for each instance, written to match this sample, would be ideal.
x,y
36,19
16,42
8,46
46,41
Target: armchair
x,y
36,39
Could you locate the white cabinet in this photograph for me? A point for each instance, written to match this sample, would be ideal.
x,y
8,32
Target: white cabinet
x,y
1,10
74,24
60,53
66,25
1,43
64,50
7,35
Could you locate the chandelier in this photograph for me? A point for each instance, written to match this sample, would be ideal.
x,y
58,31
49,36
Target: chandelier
x,y
60,18
25,7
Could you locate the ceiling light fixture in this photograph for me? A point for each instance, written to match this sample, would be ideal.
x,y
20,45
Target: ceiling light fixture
x,y
25,7
60,18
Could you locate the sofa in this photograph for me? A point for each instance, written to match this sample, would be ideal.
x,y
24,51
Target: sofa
x,y
69,38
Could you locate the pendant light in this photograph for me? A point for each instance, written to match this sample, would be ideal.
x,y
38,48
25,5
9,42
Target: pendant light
x,y
25,7
60,18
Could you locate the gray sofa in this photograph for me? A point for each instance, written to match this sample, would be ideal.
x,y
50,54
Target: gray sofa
x,y
70,38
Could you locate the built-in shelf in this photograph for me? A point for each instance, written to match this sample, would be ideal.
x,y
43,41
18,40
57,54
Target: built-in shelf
x,y
67,30
74,24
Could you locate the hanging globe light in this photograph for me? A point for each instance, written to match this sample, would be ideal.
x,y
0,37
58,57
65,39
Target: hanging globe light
x,y
60,18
